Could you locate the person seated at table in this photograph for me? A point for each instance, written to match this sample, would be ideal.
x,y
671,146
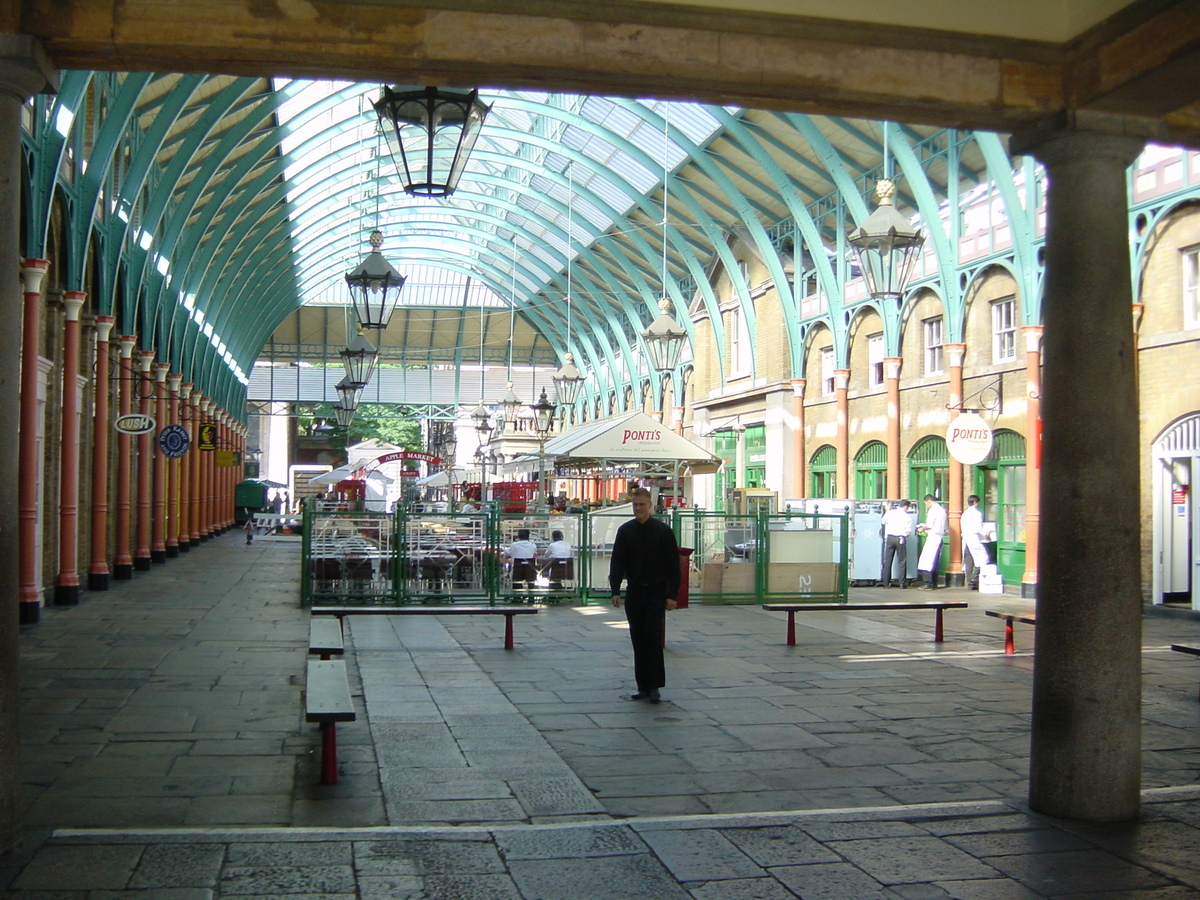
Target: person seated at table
x,y
558,553
522,552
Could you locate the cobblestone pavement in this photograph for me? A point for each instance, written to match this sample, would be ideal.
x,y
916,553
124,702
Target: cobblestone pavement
x,y
166,756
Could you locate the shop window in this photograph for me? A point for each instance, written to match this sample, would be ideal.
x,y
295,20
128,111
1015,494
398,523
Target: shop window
x,y
875,360
929,469
1004,330
827,370
823,469
1191,287
933,346
870,472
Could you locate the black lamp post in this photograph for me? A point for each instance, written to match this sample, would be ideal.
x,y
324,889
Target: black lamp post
x,y
374,287
887,246
664,339
431,133
543,421
359,359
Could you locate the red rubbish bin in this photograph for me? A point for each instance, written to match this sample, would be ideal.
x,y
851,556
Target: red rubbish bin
x,y
685,566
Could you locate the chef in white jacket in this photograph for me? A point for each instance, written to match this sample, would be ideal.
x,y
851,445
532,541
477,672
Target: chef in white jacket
x,y
934,529
974,554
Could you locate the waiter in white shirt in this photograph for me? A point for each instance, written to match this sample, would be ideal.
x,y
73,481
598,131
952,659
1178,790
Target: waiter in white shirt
x,y
897,529
934,529
974,554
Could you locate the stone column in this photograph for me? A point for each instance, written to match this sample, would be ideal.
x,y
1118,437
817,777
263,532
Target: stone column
x,y
66,587
145,466
799,453
841,388
27,460
24,70
891,377
101,428
158,493
128,382
1033,454
954,503
1085,760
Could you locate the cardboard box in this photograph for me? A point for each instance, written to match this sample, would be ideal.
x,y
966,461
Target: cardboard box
x,y
710,578
802,578
738,578
990,583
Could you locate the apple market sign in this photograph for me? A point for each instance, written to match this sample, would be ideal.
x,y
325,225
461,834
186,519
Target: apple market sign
x,y
969,439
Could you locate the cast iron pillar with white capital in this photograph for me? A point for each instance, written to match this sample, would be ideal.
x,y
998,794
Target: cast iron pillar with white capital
x,y
1085,759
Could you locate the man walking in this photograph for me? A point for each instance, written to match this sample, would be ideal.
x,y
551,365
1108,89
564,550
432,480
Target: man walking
x,y
646,556
897,529
934,529
974,554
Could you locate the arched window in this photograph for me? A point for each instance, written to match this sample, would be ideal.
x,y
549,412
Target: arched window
x,y
823,466
870,471
929,469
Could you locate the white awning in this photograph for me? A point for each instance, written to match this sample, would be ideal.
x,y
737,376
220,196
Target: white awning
x,y
630,437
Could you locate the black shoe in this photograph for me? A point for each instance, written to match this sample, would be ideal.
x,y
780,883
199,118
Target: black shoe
x,y
903,585
880,584
654,698
642,695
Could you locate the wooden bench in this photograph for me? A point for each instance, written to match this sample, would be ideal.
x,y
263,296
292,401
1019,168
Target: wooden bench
x,y
1009,617
1193,649
325,636
327,701
449,610
939,606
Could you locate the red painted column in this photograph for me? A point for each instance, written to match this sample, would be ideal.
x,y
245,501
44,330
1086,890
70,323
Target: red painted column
x,y
145,467
206,478
194,468
101,428
1033,455
954,503
799,451
28,599
183,530
172,464
158,496
127,385
891,376
66,586
841,384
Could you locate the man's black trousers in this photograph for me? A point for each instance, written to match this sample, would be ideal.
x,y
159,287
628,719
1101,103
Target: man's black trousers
x,y
646,630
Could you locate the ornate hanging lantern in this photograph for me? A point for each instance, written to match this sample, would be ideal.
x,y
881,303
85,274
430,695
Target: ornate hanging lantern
x,y
431,133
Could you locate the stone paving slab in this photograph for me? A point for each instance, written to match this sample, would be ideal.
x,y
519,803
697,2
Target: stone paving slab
x,y
863,762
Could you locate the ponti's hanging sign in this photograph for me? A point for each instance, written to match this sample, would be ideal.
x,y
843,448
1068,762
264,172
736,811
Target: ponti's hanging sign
x,y
969,439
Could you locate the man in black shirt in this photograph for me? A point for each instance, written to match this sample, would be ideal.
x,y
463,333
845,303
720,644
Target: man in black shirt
x,y
646,557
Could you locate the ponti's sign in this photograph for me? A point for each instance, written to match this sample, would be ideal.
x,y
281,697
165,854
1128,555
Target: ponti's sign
x,y
969,439
630,435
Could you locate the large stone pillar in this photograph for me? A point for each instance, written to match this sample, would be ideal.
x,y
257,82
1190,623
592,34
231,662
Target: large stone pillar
x,y
66,588
1085,760
1033,455
101,428
28,596
24,70
891,377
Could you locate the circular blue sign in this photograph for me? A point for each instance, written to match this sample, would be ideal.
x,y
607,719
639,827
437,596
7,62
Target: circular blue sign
x,y
174,441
